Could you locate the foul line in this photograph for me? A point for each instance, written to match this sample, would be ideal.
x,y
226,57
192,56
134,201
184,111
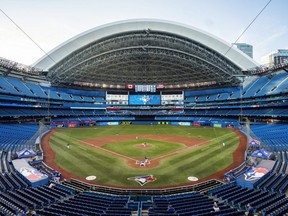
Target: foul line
x,y
188,148
105,150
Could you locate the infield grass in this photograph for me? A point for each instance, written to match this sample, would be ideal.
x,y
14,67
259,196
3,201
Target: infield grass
x,y
202,161
132,148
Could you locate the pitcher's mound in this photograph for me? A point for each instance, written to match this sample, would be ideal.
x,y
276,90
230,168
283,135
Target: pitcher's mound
x,y
143,146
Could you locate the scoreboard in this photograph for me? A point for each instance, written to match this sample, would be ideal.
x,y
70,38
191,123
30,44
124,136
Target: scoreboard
x,y
144,99
145,88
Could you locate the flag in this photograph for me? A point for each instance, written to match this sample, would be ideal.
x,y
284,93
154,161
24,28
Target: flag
x,y
129,86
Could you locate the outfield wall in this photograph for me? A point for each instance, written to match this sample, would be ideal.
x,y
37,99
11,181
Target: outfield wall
x,y
182,122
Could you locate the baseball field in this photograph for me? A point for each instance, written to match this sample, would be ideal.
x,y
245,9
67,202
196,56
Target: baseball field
x,y
116,154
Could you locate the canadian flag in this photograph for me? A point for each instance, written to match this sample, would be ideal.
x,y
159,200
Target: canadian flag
x,y
129,86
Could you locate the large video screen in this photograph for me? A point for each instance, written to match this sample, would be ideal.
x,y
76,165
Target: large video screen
x,y
144,99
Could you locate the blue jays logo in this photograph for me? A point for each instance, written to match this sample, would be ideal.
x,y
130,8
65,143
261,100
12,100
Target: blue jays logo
x,y
145,99
31,174
142,180
255,173
254,142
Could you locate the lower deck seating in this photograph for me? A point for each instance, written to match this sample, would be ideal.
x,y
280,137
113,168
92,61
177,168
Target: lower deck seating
x,y
238,196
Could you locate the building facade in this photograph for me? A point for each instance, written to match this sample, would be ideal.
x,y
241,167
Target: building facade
x,y
245,48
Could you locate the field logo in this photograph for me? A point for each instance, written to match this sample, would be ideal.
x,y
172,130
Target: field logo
x,y
255,173
142,180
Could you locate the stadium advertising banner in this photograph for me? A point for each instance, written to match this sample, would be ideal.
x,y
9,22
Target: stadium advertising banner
x,y
72,125
144,99
125,122
163,122
181,123
217,125
107,123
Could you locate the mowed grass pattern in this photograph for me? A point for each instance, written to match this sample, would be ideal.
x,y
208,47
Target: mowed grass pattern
x,y
83,160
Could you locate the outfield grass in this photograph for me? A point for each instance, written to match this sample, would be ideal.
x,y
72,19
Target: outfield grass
x,y
83,160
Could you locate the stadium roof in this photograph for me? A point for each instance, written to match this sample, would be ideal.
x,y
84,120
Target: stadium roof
x,y
145,51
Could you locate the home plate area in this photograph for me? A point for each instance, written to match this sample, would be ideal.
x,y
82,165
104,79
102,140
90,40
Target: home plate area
x,y
143,163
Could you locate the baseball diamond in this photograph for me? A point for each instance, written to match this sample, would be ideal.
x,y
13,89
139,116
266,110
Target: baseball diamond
x,y
172,159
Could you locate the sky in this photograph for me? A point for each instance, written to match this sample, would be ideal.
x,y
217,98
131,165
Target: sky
x,y
51,22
